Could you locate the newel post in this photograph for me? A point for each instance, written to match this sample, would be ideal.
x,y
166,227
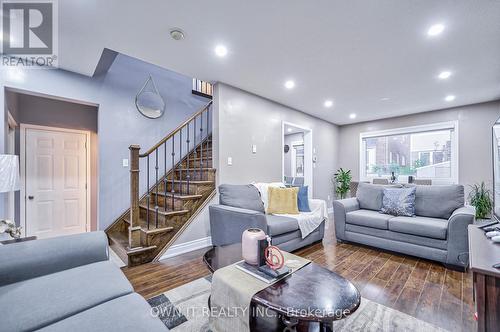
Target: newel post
x,y
134,230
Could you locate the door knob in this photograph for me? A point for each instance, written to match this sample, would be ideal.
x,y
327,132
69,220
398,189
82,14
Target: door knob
x,y
31,197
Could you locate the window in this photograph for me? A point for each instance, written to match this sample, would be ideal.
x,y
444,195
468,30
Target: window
x,y
426,152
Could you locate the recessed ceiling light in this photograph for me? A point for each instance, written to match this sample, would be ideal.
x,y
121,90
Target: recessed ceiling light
x,y
328,103
384,99
221,50
450,98
289,130
352,116
289,84
435,30
177,34
444,75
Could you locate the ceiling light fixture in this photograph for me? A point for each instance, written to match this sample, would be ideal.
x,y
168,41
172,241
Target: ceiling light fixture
x,y
352,116
328,103
444,75
221,50
177,34
450,98
435,30
289,84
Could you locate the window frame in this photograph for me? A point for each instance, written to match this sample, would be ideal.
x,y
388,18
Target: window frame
x,y
449,125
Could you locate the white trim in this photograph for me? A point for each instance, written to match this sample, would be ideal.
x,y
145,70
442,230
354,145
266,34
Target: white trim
x,y
330,210
411,130
308,155
182,248
22,158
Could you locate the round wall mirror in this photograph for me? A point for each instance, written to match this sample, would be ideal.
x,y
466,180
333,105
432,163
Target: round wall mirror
x,y
149,102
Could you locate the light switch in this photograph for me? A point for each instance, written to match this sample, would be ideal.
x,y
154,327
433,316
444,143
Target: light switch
x,y
125,162
254,148
229,161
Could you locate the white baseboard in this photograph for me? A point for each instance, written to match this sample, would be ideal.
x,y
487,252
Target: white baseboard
x,y
185,247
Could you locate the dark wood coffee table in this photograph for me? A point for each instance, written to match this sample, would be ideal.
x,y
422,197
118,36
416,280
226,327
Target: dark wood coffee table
x,y
307,300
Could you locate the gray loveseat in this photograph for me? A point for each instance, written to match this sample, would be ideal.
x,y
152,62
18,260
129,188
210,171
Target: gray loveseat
x,y
241,208
68,284
437,232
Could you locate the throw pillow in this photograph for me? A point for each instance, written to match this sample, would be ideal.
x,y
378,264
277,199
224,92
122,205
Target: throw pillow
x,y
303,199
283,200
399,201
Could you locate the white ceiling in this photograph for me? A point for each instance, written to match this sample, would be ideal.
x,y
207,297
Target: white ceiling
x,y
353,52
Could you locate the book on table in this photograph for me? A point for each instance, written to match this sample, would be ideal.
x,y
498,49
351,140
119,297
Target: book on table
x,y
259,272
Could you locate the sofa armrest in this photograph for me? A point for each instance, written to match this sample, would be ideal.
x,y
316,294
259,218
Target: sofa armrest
x,y
228,223
30,259
340,209
457,237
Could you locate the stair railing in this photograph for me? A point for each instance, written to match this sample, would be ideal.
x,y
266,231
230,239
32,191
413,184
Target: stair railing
x,y
195,131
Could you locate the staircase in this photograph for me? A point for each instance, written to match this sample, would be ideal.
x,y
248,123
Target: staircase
x,y
177,179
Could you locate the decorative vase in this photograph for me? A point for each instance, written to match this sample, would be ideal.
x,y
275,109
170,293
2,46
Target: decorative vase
x,y
250,245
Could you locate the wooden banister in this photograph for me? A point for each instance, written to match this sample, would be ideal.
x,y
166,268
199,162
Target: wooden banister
x,y
134,234
175,131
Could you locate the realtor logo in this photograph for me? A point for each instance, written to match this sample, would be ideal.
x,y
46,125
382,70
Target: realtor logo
x,y
29,33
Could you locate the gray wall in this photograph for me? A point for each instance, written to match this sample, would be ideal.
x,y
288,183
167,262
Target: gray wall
x,y
242,119
119,123
474,126
288,156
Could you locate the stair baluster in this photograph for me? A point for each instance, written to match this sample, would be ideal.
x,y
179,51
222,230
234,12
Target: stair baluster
x,y
156,188
188,177
201,147
173,175
165,180
206,157
180,156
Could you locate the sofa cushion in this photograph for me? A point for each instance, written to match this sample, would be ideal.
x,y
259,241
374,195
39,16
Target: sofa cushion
x,y
37,302
368,218
303,199
277,225
126,313
438,201
399,201
241,196
421,226
370,195
283,201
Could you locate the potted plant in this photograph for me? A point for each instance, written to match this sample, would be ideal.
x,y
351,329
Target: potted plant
x,y
342,182
480,198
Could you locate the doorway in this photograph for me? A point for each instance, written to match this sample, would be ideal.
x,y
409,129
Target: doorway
x,y
297,157
55,170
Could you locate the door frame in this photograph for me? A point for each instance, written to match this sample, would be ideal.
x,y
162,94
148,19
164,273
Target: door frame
x,y
308,154
11,149
293,158
22,157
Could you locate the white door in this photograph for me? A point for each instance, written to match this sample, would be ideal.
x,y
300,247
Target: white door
x,y
56,174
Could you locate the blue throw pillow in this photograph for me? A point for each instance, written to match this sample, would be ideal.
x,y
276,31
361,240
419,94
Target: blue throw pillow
x,y
303,200
399,201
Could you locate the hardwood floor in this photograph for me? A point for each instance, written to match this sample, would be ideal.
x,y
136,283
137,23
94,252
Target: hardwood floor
x,y
417,287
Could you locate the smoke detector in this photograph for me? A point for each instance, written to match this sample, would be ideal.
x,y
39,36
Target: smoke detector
x,y
177,34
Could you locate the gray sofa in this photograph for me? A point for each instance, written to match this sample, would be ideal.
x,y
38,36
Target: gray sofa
x,y
241,208
437,232
68,284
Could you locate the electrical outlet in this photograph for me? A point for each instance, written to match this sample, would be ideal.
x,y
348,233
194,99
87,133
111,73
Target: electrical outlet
x,y
125,162
230,161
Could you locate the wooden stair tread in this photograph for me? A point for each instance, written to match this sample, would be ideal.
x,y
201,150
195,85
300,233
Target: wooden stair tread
x,y
122,241
162,212
177,196
192,181
152,229
195,169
